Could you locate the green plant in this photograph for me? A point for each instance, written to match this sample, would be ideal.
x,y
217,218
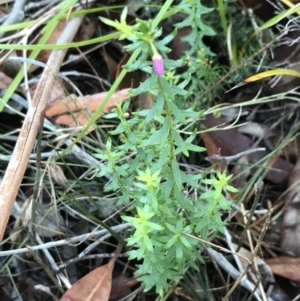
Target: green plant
x,y
165,210
199,57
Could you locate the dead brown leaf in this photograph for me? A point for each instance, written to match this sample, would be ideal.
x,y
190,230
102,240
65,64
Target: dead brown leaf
x,y
210,145
121,285
285,266
232,142
212,149
179,47
95,286
74,111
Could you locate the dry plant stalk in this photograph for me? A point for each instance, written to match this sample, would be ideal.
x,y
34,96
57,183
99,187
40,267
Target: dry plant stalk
x,y
33,122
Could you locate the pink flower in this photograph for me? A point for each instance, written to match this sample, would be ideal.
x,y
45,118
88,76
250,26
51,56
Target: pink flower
x,y
158,64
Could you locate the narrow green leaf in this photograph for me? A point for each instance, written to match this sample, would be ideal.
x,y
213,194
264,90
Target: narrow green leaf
x,y
185,242
189,179
279,17
182,200
163,157
108,22
148,243
168,187
176,112
108,144
154,138
194,148
166,127
179,252
168,89
124,15
180,143
171,242
176,173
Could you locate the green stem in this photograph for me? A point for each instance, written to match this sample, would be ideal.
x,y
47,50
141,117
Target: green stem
x,y
170,138
168,113
222,14
160,15
40,47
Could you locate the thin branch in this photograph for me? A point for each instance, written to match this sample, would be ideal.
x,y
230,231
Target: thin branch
x,y
67,241
16,16
228,159
92,256
34,118
232,271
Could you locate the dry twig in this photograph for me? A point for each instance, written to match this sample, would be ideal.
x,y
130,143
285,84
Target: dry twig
x,y
32,123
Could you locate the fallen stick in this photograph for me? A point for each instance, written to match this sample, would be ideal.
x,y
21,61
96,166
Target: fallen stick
x,y
12,179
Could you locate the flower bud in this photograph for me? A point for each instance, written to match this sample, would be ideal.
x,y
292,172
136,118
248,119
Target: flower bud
x,y
158,64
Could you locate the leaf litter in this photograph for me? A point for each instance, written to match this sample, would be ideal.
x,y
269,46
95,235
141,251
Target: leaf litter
x,y
72,110
95,286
